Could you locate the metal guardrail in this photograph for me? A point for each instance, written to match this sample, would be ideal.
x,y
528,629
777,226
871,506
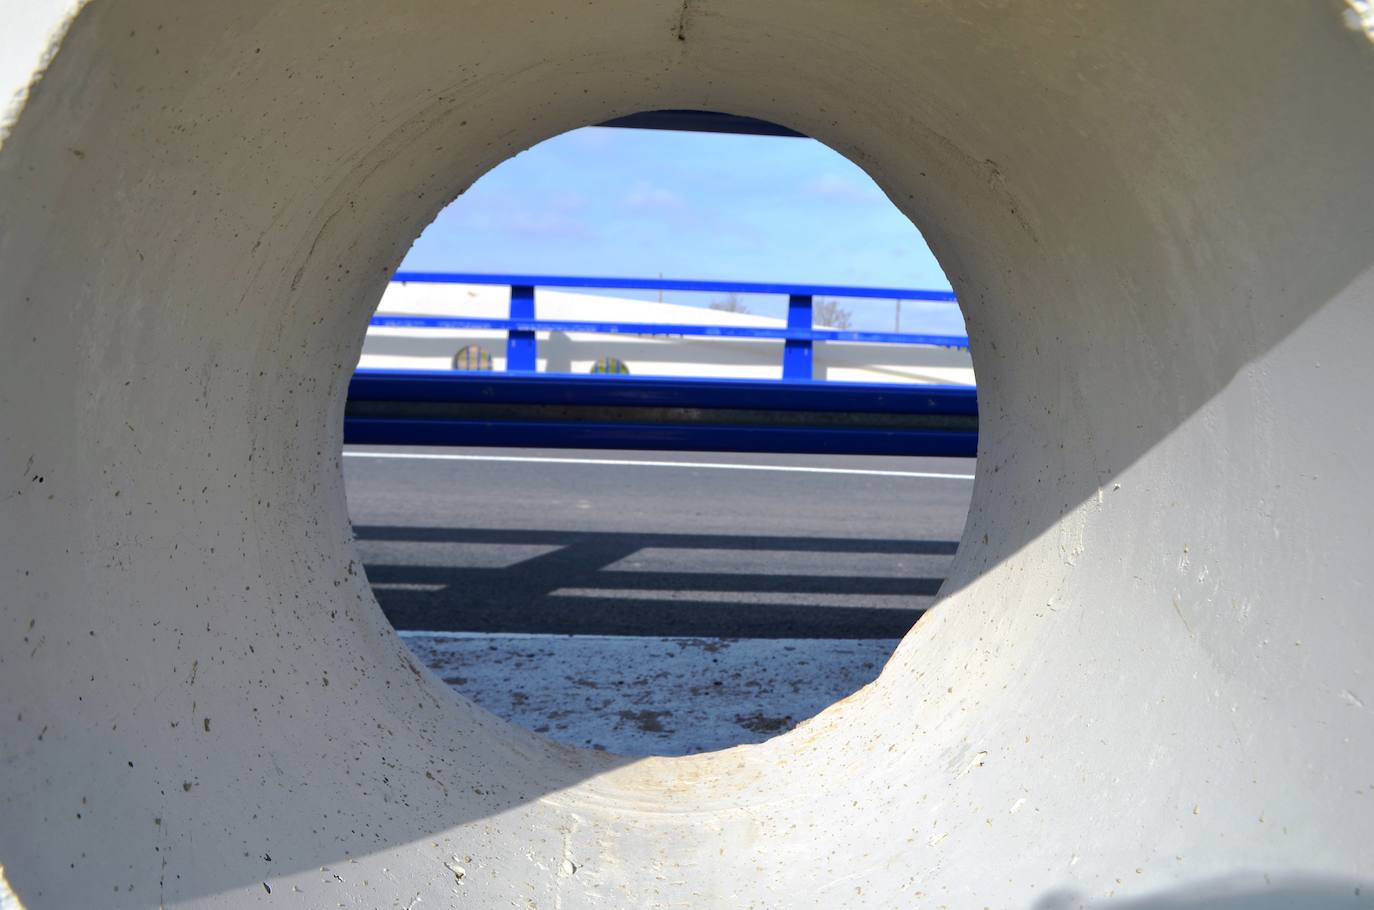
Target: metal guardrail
x,y
798,337
631,412
796,414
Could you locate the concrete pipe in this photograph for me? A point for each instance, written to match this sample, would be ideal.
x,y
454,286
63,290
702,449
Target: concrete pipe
x,y
1149,676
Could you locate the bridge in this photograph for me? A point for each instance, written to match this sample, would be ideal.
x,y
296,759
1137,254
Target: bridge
x,y
1144,682
797,414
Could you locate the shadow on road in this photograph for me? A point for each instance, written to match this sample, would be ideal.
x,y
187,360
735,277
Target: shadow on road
x,y
573,584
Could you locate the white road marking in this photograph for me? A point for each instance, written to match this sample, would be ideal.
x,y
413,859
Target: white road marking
x,y
406,586
769,598
620,462
819,563
449,555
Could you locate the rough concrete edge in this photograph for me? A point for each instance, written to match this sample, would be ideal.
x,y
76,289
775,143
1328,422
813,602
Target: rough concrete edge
x,y
8,899
34,31
1360,15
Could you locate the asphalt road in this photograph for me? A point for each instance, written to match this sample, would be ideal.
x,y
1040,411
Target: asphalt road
x,y
481,543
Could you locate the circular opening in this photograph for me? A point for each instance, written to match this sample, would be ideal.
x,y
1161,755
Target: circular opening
x,y
206,197
590,567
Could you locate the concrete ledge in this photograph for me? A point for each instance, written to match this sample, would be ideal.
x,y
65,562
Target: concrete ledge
x,y
650,695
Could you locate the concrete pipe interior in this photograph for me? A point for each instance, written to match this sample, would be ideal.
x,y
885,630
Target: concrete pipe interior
x,y
1149,677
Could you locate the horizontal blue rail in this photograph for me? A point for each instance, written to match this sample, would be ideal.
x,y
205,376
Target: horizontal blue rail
x,y
608,389
659,328
713,415
673,284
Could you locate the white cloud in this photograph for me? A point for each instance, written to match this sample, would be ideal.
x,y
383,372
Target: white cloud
x,y
542,225
648,196
589,137
501,215
840,188
567,201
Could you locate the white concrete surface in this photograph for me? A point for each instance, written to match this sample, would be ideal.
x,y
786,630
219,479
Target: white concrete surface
x,y
1149,678
639,695
403,348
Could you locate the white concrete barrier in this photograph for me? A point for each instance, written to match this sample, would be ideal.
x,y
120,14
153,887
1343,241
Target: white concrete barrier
x,y
1150,676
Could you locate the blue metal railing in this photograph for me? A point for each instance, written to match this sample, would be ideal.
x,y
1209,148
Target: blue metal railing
x,y
798,337
794,414
632,412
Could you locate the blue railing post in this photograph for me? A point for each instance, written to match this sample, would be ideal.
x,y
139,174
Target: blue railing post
x,y
522,355
796,353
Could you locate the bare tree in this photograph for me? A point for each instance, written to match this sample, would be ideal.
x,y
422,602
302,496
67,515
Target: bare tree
x,y
730,304
829,313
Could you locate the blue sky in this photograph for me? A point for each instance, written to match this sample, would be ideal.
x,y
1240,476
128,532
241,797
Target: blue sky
x,y
640,203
